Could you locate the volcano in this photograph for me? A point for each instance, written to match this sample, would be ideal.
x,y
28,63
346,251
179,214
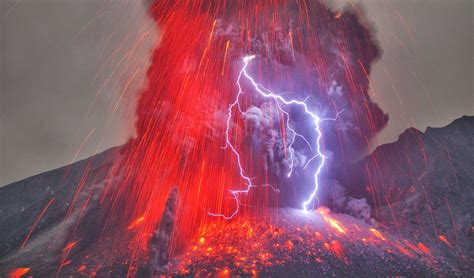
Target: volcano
x,y
423,228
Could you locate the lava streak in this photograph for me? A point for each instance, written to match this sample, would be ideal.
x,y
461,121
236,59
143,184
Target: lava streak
x,y
18,272
181,113
273,246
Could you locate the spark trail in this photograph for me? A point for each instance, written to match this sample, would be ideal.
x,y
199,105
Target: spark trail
x,y
267,93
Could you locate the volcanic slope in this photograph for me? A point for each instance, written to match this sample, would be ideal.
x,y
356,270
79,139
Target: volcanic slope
x,y
313,244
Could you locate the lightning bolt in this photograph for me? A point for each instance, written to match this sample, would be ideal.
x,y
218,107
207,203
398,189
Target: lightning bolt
x,y
267,93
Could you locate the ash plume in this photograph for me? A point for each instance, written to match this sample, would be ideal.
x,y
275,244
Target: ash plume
x,y
303,49
324,56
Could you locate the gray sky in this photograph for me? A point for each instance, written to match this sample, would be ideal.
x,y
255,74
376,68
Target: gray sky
x,y
64,65
425,76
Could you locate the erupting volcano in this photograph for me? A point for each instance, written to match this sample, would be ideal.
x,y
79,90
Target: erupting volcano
x,y
317,60
255,119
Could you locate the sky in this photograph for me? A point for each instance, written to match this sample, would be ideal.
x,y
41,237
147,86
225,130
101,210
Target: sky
x,y
70,72
425,75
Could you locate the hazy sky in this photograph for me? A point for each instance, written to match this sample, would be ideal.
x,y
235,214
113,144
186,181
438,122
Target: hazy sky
x,y
425,76
64,66
70,70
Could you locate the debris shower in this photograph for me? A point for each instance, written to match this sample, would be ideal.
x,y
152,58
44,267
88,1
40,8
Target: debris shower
x,y
299,46
252,126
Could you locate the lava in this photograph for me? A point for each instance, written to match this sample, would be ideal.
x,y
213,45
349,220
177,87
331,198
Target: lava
x,y
335,247
18,272
254,246
377,234
183,129
300,67
444,240
48,205
136,222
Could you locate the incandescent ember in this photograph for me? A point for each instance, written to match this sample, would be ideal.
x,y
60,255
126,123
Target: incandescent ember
x,y
293,242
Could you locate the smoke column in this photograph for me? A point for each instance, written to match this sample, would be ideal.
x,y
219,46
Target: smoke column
x,y
302,47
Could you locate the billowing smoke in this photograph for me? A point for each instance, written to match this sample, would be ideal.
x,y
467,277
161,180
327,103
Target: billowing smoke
x,y
267,136
304,50
323,57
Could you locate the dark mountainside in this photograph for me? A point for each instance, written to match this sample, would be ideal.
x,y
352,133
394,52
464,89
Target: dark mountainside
x,y
48,197
423,183
422,186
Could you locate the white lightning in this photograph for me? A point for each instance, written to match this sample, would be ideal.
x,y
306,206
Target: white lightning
x,y
279,99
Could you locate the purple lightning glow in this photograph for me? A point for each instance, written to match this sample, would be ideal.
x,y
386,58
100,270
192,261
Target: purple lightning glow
x,y
267,93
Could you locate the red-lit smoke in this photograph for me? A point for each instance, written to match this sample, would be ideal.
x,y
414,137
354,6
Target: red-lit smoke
x,y
302,47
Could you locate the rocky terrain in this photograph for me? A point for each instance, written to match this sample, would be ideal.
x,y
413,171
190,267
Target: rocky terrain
x,y
420,189
423,185
312,244
36,216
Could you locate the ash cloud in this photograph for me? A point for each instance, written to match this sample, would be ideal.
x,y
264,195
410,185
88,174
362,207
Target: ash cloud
x,y
325,58
305,51
267,137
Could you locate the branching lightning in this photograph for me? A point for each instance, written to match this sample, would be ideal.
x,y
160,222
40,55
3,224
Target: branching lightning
x,y
279,99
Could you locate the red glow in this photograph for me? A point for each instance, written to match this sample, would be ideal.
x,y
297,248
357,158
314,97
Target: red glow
x,y
335,247
180,135
249,246
69,246
180,127
403,250
376,233
444,240
37,221
424,249
18,272
335,224
136,222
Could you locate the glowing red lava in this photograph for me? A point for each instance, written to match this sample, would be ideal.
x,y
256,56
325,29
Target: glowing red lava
x,y
253,246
